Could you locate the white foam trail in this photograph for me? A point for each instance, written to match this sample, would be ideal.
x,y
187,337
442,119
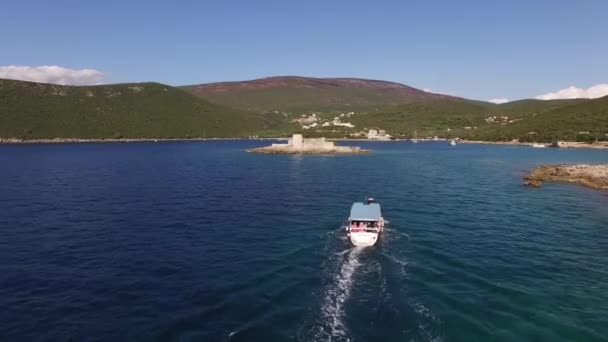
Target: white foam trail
x,y
332,311
395,260
398,233
427,321
343,252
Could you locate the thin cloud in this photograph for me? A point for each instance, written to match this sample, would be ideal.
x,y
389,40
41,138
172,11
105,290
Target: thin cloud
x,y
572,92
499,100
52,74
446,92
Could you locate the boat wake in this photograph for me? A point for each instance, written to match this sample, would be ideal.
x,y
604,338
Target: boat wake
x,y
396,232
333,305
329,324
375,278
402,263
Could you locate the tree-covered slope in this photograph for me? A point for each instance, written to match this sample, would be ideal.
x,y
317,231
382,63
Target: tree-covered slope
x,y
527,120
139,110
428,117
583,120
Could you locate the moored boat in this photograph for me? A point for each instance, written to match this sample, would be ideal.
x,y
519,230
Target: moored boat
x,y
365,223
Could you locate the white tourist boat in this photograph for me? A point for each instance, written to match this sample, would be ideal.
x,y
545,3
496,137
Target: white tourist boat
x,y
365,223
539,145
453,142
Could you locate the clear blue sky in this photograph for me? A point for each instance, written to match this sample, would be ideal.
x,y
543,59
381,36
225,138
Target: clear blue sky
x,y
475,49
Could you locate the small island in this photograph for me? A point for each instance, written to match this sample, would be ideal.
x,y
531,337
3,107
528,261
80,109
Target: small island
x,y
298,145
593,176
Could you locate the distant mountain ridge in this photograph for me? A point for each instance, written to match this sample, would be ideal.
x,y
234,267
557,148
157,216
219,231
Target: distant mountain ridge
x,y
301,94
311,82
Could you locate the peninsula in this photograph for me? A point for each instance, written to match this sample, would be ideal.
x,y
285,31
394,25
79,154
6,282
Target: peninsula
x,y
593,176
298,145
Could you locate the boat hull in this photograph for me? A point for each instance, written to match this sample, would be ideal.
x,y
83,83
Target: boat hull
x,y
363,238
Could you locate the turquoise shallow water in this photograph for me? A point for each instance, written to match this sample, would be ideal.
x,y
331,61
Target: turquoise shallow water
x,y
199,241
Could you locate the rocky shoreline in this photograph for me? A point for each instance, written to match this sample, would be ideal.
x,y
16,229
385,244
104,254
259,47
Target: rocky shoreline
x,y
593,176
561,144
574,144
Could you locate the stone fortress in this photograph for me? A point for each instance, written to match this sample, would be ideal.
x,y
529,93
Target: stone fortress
x,y
297,141
297,144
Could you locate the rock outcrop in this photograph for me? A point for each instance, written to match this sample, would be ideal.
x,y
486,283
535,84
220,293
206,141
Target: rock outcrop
x,y
298,145
291,150
593,176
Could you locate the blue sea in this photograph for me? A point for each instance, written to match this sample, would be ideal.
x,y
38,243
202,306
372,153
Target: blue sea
x,y
201,241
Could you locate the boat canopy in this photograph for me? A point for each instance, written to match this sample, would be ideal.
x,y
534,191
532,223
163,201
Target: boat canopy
x,y
365,212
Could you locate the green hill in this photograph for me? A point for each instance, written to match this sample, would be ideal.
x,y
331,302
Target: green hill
x,y
527,120
270,107
580,120
532,106
555,119
430,117
138,110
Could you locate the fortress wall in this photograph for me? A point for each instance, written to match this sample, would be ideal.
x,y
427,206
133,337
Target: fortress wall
x,y
297,141
318,143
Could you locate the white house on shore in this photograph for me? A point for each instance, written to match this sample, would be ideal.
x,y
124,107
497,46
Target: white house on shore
x,y
380,134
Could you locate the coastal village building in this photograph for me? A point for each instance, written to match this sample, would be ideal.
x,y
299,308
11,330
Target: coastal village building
x,y
338,122
306,120
312,120
381,134
313,125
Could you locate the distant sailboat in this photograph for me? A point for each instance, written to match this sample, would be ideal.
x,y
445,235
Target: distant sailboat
x,y
415,139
